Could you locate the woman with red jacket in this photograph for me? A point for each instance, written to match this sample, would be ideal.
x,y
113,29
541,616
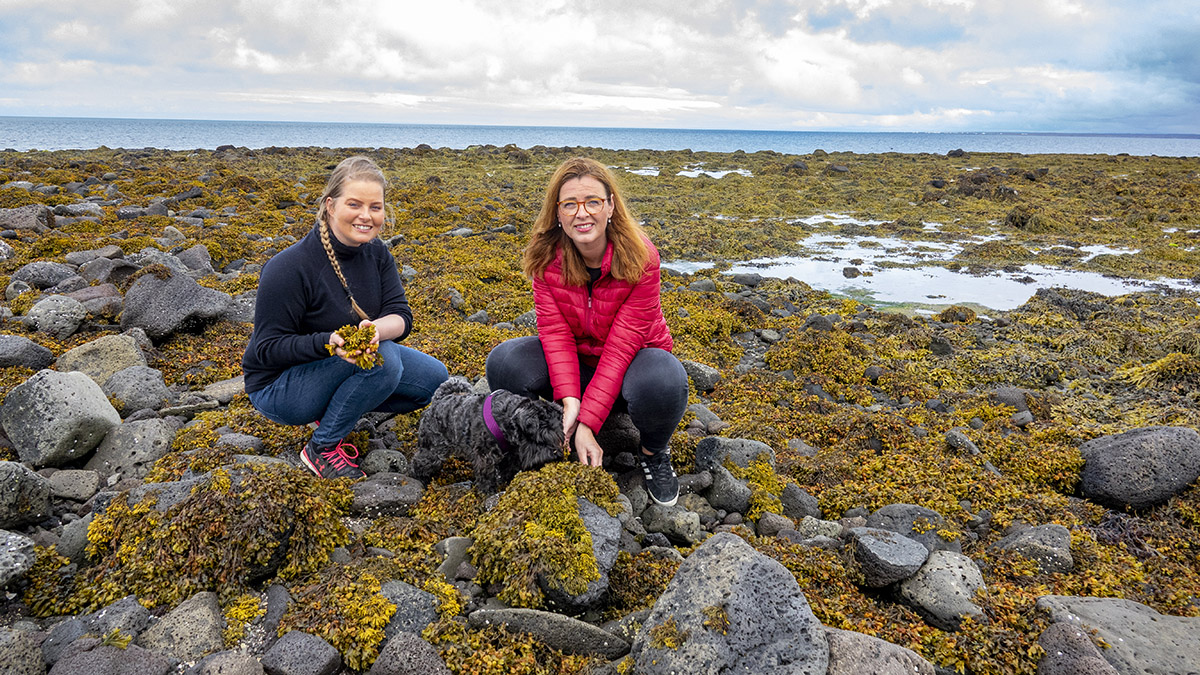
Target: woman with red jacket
x,y
602,342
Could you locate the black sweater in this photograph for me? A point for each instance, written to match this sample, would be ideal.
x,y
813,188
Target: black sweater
x,y
300,302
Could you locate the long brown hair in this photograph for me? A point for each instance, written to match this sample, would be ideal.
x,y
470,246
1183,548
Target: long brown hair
x,y
349,169
630,253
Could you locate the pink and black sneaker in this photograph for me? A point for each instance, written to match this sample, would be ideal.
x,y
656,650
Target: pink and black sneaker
x,y
335,461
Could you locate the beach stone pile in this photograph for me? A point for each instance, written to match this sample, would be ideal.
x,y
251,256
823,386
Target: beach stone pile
x,y
88,426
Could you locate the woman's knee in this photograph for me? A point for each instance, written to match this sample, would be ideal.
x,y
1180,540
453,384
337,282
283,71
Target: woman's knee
x,y
656,375
516,365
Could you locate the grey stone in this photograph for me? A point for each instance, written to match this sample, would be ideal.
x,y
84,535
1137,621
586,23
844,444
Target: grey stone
x,y
299,653
1069,651
189,631
734,610
914,522
253,444
386,494
137,388
17,350
713,451
676,523
72,543
57,316
20,654
225,390
75,484
886,557
1140,468
16,556
853,653
196,259
35,217
226,663
810,527
727,492
1048,545
125,615
87,656
162,307
704,377
103,357
707,418
771,524
942,591
415,608
557,631
106,270
957,438
798,504
454,552
43,274
60,637
384,461
133,447
1014,397
1141,640
25,497
407,654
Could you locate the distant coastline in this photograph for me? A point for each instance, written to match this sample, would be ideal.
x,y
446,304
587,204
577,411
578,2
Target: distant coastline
x,y
77,133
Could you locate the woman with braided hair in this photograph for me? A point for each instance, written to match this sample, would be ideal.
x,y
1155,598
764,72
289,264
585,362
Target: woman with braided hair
x,y
340,273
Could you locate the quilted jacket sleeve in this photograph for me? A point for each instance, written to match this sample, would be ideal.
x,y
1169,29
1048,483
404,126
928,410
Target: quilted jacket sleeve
x,y
558,341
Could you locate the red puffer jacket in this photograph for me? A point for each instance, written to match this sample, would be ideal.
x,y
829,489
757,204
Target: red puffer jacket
x,y
606,329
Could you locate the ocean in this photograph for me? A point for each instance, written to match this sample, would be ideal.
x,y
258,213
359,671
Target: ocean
x,y
78,133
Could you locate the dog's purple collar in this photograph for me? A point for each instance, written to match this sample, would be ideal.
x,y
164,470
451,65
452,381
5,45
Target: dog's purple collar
x,y
492,425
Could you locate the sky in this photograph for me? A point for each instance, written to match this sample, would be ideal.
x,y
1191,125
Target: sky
x,y
1077,66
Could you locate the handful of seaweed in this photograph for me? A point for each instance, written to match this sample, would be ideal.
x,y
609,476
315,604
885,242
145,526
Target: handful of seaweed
x,y
359,346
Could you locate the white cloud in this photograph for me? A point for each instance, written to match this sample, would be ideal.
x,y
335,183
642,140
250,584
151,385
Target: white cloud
x,y
911,64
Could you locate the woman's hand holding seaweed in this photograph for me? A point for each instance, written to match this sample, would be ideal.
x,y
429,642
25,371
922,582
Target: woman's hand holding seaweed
x,y
351,356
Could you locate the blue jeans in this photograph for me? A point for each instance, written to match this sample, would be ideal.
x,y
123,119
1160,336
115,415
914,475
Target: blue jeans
x,y
654,390
337,394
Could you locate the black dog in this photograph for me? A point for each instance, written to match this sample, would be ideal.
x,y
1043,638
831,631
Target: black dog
x,y
500,433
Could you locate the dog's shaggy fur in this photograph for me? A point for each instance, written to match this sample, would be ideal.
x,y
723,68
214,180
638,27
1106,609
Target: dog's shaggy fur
x,y
453,423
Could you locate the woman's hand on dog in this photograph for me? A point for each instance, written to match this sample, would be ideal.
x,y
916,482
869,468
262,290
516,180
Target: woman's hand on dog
x,y
586,447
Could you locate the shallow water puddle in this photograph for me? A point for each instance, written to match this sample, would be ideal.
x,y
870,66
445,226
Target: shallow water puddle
x,y
827,257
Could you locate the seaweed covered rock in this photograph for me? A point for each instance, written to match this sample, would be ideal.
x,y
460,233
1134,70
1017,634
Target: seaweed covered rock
x,y
853,653
54,418
544,544
1140,468
943,590
730,608
25,497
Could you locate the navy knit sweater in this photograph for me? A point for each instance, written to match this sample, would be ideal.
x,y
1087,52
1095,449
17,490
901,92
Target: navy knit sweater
x,y
300,302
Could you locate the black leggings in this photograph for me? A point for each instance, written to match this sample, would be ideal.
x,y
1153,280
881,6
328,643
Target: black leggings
x,y
654,390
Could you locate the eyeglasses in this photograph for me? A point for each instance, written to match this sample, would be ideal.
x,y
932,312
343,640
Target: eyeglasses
x,y
569,207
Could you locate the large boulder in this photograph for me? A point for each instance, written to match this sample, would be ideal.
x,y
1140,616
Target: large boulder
x,y
408,655
415,608
20,654
564,633
53,418
137,388
99,359
730,608
176,303
1048,545
1140,640
886,557
1140,469
188,632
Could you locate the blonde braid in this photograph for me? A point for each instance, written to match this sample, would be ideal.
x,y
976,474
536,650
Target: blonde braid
x,y
323,229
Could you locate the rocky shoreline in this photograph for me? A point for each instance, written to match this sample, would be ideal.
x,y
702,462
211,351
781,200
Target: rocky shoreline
x,y
864,491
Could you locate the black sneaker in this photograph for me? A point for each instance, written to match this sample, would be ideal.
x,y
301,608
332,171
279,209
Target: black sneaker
x,y
335,461
661,482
